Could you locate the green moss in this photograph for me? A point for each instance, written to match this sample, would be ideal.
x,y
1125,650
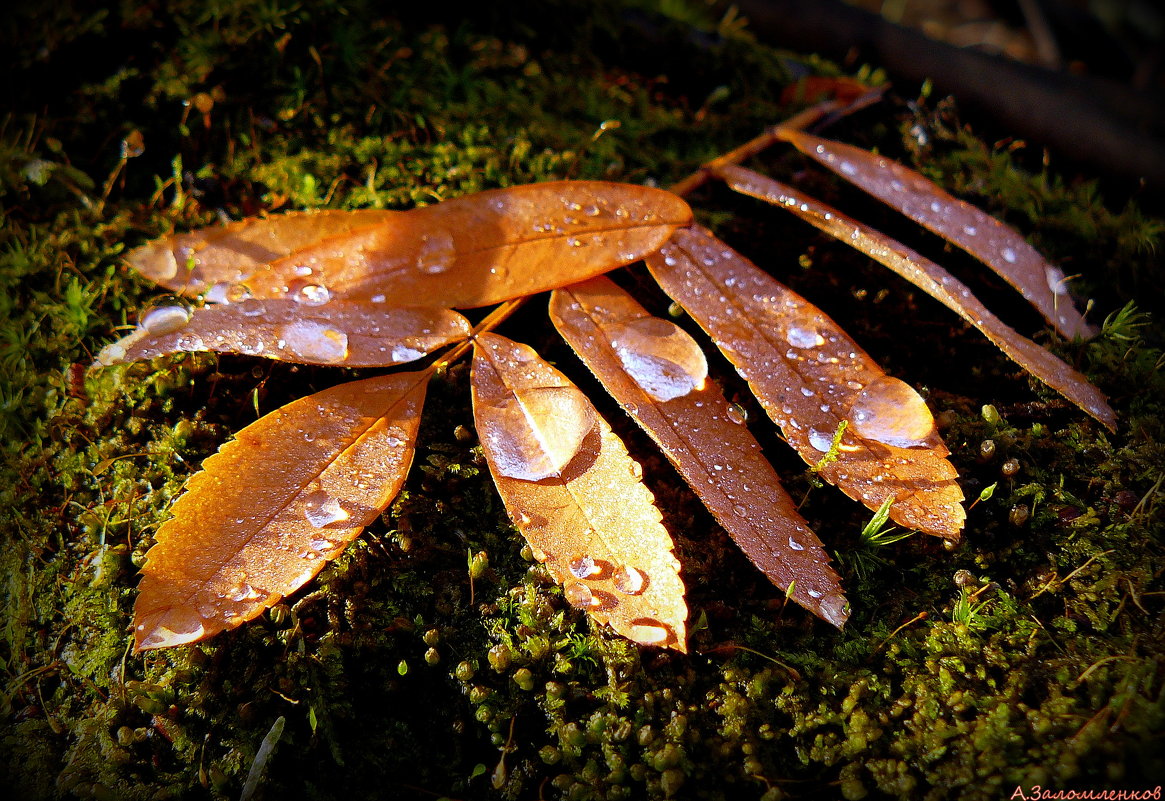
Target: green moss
x,y
435,654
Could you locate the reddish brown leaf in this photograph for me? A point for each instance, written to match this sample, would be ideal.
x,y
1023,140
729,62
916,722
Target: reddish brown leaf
x,y
575,494
466,252
1001,248
347,333
657,373
274,505
810,377
935,281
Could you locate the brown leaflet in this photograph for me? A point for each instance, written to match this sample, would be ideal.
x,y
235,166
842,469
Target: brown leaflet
x,y
290,492
657,373
935,281
1001,248
810,377
573,491
224,254
347,333
470,251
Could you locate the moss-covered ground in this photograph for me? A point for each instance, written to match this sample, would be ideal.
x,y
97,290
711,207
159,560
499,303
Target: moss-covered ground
x,y
434,658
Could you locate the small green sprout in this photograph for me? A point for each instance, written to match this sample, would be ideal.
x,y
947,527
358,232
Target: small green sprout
x,y
1122,324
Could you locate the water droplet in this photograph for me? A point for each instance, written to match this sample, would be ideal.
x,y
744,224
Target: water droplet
x,y
970,230
251,307
808,393
322,509
536,433
180,627
581,565
659,356
578,595
814,593
303,270
737,414
321,544
936,207
890,411
243,592
378,298
166,319
402,352
1009,255
649,632
218,293
436,253
312,294
804,337
820,440
848,168
629,580
835,609
796,546
1056,280
313,342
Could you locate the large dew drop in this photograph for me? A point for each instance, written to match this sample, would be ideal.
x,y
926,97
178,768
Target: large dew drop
x,y
314,342
660,357
536,433
891,412
629,580
804,337
166,319
322,509
437,252
173,627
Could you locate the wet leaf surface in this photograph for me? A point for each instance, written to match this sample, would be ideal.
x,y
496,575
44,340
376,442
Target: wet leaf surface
x,y
935,281
576,495
1001,248
333,332
666,393
465,252
811,378
268,511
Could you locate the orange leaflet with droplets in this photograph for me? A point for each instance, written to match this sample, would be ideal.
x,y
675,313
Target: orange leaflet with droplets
x,y
466,252
810,377
343,333
658,374
573,491
290,492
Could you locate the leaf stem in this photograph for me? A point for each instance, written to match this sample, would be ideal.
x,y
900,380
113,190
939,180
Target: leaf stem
x,y
488,323
825,112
